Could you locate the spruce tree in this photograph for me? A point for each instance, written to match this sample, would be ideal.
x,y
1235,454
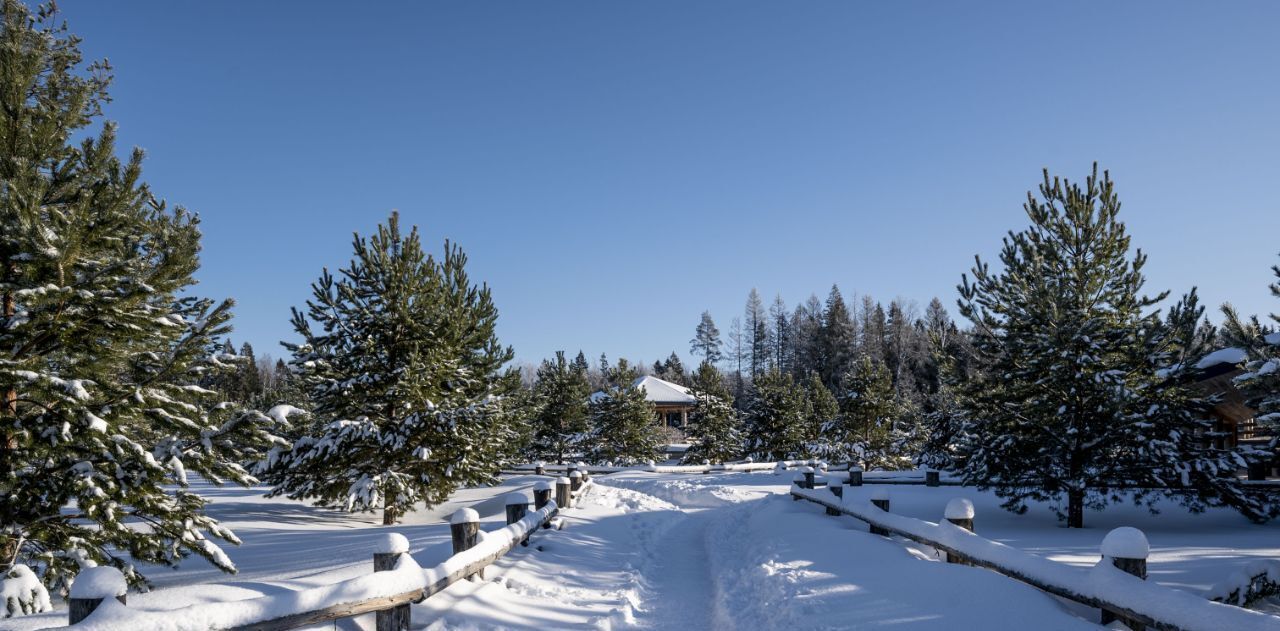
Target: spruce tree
x,y
1080,387
829,443
706,340
404,373
624,425
103,347
560,420
777,418
714,427
836,339
673,370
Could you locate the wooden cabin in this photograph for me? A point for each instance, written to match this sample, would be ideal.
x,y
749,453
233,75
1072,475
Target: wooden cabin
x,y
672,401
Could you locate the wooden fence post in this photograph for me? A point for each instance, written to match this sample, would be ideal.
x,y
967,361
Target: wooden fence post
x,y
880,498
838,491
855,476
464,525
779,468
564,496
931,478
542,495
517,508
959,511
575,480
808,477
385,556
798,480
1127,549
539,468
93,586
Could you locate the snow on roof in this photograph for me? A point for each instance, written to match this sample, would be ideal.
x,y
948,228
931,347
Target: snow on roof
x,y
1222,356
659,391
1273,338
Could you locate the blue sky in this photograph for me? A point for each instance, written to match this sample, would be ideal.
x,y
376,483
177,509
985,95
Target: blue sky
x,y
614,169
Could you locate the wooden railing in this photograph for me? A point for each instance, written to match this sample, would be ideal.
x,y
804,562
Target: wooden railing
x,y
1109,586
397,581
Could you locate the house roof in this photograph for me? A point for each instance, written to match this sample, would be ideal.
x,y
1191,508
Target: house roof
x,y
662,391
659,392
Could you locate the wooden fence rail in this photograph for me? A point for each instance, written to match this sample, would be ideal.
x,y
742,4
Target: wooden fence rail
x,y
396,582
1106,586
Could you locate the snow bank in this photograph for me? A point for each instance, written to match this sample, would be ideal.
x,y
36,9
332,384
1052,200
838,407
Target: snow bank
x,y
99,582
1126,543
1103,584
407,577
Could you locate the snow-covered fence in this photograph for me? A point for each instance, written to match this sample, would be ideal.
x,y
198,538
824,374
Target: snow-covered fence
x,y
1109,585
1260,579
548,469
396,582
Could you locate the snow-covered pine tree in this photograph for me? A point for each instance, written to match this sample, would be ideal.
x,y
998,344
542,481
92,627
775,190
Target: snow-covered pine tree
x,y
706,339
777,418
560,421
1260,384
103,347
868,411
1080,387
405,376
714,427
828,442
624,425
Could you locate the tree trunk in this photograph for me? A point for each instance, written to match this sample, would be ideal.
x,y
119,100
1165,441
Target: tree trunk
x,y
1075,508
389,511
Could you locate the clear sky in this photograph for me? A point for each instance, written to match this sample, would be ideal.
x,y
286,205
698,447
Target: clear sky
x,y
613,169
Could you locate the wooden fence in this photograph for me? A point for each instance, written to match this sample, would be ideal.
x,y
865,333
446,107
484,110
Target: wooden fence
x,y
1115,585
395,583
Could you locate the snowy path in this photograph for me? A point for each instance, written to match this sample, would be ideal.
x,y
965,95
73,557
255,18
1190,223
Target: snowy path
x,y
680,594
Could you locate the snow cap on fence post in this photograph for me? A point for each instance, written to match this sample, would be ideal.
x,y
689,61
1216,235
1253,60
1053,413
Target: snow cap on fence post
x,y
779,468
517,507
92,586
464,527
960,512
808,477
539,468
386,555
1127,548
563,493
575,479
651,465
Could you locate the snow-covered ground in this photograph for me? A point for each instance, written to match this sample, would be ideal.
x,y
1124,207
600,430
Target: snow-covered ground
x,y
714,551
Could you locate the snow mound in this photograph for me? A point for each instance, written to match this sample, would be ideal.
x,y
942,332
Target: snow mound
x,y
1125,543
1222,356
464,516
516,498
959,508
21,592
562,480
542,485
392,543
99,582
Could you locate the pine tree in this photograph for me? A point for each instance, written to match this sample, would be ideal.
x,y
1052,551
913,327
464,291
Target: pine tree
x,y
837,339
673,370
806,328
404,372
714,427
1080,388
103,347
756,325
249,386
825,412
624,426
777,418
868,410
779,335
1260,384
871,343
560,420
706,340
